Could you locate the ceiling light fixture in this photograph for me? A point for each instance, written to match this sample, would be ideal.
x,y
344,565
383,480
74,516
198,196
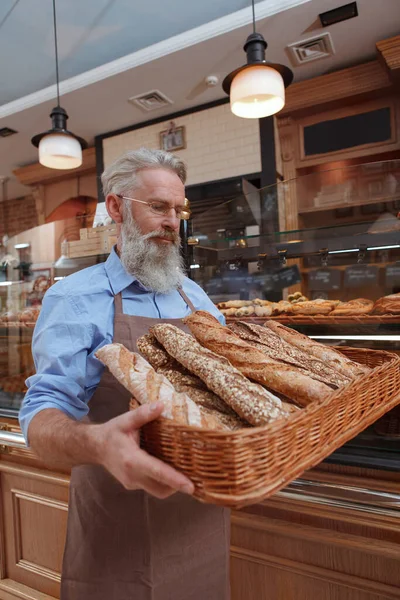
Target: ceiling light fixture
x,y
58,147
257,89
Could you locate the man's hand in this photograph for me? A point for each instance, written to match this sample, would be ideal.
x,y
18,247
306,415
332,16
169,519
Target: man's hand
x,y
118,450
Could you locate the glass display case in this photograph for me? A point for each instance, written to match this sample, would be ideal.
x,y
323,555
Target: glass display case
x,y
346,248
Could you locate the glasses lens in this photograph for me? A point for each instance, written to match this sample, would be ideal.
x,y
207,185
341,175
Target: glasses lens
x,y
160,208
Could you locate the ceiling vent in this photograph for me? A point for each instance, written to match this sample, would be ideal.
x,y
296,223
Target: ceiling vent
x,y
314,48
153,100
7,131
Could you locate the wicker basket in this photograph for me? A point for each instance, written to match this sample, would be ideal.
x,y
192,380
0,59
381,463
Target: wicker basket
x,y
235,469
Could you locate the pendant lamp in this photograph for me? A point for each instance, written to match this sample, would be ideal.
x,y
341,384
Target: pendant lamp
x,y
257,89
58,147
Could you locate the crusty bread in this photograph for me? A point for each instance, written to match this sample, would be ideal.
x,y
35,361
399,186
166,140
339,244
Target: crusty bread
x,y
332,357
245,311
388,305
155,354
263,311
281,307
228,312
312,308
277,348
252,402
259,302
133,404
181,378
361,306
146,386
234,304
253,363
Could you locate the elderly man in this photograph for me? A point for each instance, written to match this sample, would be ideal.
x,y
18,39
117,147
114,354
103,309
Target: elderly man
x,y
134,531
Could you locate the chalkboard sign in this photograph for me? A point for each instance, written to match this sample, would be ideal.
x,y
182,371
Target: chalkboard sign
x,y
267,281
360,275
355,130
324,279
392,278
288,276
279,280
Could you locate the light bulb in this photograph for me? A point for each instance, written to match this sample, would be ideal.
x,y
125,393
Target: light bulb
x,y
60,151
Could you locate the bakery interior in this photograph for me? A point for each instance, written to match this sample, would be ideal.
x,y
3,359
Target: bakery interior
x,y
293,217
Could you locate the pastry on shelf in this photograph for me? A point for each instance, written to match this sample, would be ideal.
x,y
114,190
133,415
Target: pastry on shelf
x,y
388,305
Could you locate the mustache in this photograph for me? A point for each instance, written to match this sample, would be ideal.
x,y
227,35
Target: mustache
x,y
163,233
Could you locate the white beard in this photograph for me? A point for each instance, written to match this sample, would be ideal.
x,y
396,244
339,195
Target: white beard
x,y
159,268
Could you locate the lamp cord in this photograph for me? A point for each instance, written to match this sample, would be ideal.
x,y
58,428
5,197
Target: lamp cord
x,y
56,51
254,16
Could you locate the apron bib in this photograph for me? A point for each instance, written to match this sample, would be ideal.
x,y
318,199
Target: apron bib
x,y
128,545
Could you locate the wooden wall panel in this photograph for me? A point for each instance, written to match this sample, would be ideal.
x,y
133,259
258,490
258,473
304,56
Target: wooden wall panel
x,y
257,576
34,512
289,548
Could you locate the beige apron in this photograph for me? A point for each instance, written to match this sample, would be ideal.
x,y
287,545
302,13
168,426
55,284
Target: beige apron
x,y
128,545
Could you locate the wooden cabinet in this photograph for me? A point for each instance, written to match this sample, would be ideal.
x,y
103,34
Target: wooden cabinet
x,y
296,547
332,535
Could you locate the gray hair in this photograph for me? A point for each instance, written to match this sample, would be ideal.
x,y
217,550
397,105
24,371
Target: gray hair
x,y
120,176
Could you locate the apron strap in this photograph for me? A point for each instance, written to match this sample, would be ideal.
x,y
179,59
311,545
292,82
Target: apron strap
x,y
118,304
187,300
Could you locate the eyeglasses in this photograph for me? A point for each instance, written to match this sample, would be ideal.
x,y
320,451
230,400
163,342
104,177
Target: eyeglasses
x,y
161,208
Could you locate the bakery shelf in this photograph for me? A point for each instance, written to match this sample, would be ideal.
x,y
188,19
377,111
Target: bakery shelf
x,y
323,319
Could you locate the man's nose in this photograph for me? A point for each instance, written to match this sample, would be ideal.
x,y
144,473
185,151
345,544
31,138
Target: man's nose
x,y
171,221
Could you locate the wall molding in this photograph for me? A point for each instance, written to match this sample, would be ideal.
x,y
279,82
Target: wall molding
x,y
37,474
360,584
341,85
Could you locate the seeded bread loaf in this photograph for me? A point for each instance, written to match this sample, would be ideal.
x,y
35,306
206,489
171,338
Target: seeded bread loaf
x,y
181,378
252,402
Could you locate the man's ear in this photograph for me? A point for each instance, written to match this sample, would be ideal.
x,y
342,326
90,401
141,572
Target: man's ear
x,y
114,208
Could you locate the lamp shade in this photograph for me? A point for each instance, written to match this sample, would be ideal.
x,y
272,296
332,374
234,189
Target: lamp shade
x,y
60,151
257,91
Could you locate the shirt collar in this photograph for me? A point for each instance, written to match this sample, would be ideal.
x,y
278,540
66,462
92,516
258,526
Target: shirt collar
x,y
118,277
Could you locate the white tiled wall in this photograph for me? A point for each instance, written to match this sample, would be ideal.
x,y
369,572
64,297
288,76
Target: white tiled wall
x,y
219,145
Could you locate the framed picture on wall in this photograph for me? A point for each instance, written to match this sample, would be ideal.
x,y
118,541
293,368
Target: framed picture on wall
x,y
173,138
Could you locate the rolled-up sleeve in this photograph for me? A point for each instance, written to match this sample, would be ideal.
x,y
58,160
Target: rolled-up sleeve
x,y
60,346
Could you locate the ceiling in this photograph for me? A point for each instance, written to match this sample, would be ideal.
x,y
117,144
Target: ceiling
x,y
90,33
111,50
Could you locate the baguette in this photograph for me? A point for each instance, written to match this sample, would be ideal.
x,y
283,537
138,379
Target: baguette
x,y
253,363
311,307
181,378
354,307
234,304
253,403
335,359
155,354
140,379
277,348
226,421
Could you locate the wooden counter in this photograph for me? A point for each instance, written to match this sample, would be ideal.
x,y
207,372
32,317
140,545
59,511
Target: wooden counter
x,y
333,535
